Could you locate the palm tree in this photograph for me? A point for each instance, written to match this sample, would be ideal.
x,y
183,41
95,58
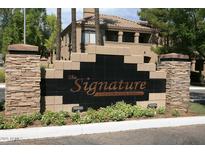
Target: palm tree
x,y
97,27
73,34
58,43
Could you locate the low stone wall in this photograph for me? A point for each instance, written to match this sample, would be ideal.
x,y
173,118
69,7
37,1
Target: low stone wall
x,y
22,84
178,82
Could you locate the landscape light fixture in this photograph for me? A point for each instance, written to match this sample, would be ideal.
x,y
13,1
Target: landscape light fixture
x,y
77,108
152,105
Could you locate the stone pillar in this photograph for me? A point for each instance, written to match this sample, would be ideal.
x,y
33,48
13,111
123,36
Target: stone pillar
x,y
120,34
137,37
22,69
177,67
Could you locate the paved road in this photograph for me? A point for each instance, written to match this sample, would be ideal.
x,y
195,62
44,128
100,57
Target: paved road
x,y
198,95
165,136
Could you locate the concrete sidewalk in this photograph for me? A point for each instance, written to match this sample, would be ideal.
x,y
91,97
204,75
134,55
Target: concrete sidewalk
x,y
95,128
184,135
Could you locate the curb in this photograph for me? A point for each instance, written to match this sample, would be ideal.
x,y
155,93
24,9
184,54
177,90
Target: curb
x,y
197,100
107,127
2,85
196,88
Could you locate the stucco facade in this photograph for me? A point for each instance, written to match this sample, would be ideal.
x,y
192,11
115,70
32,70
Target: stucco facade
x,y
118,36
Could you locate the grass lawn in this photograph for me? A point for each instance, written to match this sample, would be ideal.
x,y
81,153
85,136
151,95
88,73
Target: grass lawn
x,y
197,108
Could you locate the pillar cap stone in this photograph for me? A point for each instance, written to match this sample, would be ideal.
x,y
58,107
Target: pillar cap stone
x,y
22,48
173,56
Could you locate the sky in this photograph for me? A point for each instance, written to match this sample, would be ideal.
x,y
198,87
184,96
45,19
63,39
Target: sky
x,y
128,13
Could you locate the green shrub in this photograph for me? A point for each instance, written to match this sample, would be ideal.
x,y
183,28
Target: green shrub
x,y
85,119
149,112
91,111
117,115
64,114
9,125
75,117
138,111
161,110
94,115
6,124
103,114
53,118
175,113
36,116
22,120
2,76
126,108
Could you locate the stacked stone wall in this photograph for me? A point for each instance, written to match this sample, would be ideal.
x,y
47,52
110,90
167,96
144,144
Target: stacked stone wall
x,y
22,84
178,82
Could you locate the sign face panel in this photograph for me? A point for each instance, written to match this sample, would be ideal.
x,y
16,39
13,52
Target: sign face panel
x,y
102,83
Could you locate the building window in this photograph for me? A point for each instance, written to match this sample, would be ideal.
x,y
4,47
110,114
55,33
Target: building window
x,y
111,36
144,38
128,37
88,37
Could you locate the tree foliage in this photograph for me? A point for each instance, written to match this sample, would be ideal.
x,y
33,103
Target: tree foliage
x,y
50,43
183,30
11,28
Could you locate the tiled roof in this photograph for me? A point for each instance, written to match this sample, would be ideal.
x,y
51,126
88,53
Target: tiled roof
x,y
114,22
